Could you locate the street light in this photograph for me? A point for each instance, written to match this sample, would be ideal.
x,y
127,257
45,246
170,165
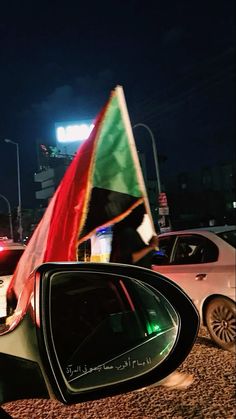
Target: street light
x,y
20,230
9,214
154,153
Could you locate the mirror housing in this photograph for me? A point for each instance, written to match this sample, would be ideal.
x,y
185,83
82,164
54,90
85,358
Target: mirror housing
x,y
143,327
104,367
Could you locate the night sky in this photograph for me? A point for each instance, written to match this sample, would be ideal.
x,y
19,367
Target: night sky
x,y
174,59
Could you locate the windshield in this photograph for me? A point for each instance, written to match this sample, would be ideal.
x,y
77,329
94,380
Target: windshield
x,y
229,237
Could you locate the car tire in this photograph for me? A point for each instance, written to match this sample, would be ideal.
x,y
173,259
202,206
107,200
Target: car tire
x,y
221,322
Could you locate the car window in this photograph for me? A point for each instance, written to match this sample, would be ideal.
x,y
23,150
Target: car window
x,y
9,260
165,246
194,249
229,237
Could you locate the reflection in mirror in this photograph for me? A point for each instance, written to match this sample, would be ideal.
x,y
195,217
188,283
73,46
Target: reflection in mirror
x,y
108,328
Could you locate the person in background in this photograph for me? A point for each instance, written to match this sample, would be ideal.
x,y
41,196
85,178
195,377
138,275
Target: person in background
x,y
127,245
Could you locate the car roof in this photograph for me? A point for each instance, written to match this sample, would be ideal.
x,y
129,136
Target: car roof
x,y
213,229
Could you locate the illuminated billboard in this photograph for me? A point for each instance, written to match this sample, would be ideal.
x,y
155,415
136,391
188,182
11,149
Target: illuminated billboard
x,y
67,132
70,134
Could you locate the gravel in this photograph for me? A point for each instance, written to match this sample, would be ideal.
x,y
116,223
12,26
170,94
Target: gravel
x,y
212,394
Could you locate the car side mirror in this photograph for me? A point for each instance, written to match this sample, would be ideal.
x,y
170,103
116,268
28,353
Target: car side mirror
x,y
103,329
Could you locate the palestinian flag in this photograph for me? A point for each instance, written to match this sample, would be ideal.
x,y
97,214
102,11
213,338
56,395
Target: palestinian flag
x,y
101,186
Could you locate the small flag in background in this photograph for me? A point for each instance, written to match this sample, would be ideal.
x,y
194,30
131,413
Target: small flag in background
x,y
101,186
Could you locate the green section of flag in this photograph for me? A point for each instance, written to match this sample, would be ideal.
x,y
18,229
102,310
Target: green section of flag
x,y
114,167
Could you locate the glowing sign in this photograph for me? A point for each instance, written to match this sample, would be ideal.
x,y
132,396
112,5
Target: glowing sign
x,y
76,132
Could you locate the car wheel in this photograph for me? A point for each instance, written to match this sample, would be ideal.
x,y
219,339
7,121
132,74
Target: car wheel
x,y
221,322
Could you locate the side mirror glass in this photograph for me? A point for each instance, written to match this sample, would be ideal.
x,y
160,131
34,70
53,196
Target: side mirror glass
x,y
107,328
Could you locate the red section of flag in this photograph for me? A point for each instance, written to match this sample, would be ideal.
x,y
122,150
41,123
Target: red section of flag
x,y
70,206
55,237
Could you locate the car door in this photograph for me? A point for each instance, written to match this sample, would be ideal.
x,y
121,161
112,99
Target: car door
x,y
193,265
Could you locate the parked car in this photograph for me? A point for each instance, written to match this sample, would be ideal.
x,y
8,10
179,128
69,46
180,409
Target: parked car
x,y
83,331
202,262
10,254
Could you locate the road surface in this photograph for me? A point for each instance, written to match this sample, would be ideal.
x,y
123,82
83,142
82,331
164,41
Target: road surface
x,y
212,394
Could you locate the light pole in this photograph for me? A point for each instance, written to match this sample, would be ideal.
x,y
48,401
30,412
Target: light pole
x,y
154,153
9,214
20,230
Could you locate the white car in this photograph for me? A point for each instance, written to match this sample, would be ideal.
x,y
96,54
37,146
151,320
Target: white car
x,y
10,253
202,262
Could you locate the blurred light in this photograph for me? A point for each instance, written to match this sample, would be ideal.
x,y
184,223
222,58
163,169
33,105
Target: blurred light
x,y
159,252
166,348
76,132
234,204
152,327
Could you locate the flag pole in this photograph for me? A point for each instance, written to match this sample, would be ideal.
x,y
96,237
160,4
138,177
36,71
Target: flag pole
x,y
126,120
